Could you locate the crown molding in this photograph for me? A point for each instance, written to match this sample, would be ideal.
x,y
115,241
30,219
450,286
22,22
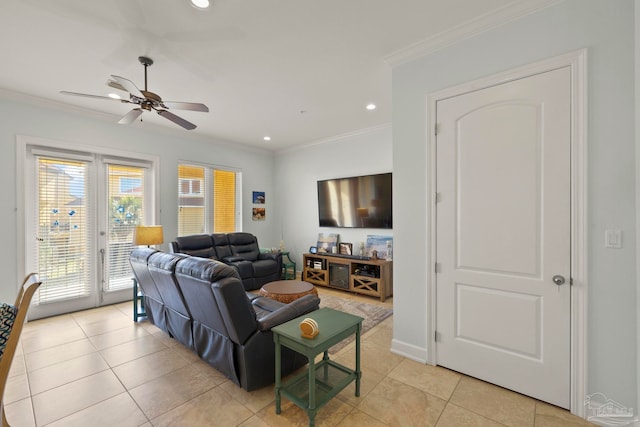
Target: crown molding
x,y
39,101
467,30
337,138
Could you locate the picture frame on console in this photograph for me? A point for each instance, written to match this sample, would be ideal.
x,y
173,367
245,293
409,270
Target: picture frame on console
x,y
327,243
345,248
380,244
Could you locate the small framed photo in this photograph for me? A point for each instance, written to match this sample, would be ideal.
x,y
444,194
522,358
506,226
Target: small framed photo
x,y
346,248
258,214
313,250
258,197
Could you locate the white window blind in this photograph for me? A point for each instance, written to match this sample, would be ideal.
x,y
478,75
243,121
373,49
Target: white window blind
x,y
63,223
125,204
224,201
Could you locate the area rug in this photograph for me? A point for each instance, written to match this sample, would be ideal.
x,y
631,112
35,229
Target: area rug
x,y
372,314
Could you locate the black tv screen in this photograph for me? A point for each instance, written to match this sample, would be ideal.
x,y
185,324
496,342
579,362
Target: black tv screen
x,y
356,202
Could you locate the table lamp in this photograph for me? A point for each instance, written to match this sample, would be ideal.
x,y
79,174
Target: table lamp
x,y
148,235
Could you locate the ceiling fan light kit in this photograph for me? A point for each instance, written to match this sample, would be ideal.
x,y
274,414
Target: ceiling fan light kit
x,y
146,100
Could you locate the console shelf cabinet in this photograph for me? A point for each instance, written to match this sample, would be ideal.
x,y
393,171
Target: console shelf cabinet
x,y
373,277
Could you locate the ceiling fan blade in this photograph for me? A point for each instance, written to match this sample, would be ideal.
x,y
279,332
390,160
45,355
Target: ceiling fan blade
x,y
130,117
128,85
192,106
114,84
177,120
86,95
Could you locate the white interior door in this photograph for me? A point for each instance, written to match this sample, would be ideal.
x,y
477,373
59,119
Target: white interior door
x,y
503,235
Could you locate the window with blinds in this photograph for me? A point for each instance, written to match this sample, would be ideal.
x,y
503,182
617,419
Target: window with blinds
x,y
206,200
224,201
63,223
125,204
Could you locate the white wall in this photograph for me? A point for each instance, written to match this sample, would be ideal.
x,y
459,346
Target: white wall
x,y
51,122
606,29
637,145
298,170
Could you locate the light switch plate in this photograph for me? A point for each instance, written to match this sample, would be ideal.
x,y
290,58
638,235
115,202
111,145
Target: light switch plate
x,y
613,239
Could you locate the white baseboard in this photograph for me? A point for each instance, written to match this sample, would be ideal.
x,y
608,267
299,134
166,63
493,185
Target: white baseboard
x,y
409,351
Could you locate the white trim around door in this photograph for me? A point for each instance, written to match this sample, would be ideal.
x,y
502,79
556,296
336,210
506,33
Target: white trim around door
x,y
577,61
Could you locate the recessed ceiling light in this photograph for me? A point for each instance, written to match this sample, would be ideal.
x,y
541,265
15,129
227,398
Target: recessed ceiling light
x,y
114,96
371,106
199,4
267,138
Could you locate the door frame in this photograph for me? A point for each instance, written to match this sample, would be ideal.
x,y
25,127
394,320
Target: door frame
x,y
577,61
22,146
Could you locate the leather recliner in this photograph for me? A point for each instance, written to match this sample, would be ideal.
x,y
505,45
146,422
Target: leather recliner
x,y
228,327
239,250
162,267
154,304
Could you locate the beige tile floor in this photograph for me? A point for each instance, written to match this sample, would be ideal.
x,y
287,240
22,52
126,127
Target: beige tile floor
x,y
99,368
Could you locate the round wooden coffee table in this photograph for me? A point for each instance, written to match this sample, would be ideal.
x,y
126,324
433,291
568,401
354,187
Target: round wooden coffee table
x,y
287,290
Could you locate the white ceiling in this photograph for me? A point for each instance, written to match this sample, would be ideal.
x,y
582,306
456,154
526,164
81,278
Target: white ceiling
x,y
297,70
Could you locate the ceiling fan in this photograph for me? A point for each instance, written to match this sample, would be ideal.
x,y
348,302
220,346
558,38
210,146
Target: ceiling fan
x,y
146,100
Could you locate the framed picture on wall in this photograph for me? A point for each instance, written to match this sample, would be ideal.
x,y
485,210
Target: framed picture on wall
x,y
258,197
259,214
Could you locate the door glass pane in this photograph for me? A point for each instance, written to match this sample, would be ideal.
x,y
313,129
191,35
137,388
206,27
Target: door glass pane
x,y
64,224
125,193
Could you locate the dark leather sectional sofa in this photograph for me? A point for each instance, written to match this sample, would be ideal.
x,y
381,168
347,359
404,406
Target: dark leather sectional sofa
x,y
239,250
203,304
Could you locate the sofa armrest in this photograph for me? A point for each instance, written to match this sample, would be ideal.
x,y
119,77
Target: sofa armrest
x,y
270,255
267,304
242,266
229,259
288,312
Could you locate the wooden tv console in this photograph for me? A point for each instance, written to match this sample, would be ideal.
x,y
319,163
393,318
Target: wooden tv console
x,y
372,277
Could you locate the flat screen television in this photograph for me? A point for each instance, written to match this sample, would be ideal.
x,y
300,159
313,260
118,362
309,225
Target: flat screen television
x,y
356,202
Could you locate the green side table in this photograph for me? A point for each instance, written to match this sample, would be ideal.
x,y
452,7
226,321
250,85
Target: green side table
x,y
288,267
312,389
138,301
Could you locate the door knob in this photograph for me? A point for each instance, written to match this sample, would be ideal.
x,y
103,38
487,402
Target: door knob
x,y
558,279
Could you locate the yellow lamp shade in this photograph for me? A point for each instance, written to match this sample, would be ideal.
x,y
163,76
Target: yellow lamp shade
x,y
148,235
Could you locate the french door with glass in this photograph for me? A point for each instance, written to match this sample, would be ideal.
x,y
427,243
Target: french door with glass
x,y
81,210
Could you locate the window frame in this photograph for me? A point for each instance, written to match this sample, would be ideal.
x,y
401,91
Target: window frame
x,y
206,192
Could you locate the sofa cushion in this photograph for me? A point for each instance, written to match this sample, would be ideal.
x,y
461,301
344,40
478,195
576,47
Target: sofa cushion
x,y
200,269
244,268
221,245
200,245
244,245
162,266
263,268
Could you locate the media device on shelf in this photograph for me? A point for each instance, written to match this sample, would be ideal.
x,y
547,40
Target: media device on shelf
x,y
356,202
